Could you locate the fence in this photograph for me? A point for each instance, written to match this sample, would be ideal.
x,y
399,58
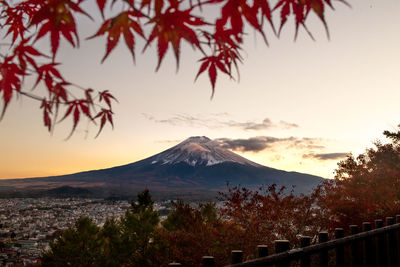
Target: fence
x,y
371,247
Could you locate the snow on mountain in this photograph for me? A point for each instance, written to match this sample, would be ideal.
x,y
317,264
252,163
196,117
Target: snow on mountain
x,y
199,150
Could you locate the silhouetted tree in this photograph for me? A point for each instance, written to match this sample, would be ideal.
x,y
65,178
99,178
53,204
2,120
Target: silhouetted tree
x,y
76,246
132,241
142,245
112,245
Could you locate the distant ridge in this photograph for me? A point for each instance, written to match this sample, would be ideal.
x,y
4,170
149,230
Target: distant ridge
x,y
68,191
198,164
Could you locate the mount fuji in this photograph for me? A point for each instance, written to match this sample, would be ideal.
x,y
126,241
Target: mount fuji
x,y
194,165
198,151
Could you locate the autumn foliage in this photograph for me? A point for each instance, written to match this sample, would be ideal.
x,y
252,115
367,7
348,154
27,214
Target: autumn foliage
x,y
246,219
272,213
365,187
164,23
193,232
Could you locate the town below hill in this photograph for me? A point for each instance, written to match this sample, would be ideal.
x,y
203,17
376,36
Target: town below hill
x,y
28,225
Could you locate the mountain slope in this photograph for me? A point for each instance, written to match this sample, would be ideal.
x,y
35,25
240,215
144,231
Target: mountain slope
x,y
198,163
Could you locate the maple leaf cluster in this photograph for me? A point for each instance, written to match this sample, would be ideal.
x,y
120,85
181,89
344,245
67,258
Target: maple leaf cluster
x,y
168,23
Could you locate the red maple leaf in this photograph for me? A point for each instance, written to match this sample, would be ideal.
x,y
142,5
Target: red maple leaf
x,y
105,115
77,107
107,97
266,12
88,94
227,46
235,11
15,22
55,17
318,7
58,92
48,73
231,57
301,9
213,63
24,53
123,24
47,109
170,27
16,17
226,53
101,4
11,76
223,39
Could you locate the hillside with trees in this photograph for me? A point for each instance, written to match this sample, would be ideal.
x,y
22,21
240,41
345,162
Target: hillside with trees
x,y
365,188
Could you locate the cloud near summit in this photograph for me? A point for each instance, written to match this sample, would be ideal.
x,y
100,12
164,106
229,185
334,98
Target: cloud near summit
x,y
219,120
265,124
259,143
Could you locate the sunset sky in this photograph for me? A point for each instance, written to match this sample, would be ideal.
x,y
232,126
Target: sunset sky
x,y
299,106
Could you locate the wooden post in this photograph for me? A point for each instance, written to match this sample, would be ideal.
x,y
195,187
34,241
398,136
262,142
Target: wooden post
x,y
398,239
237,256
208,261
339,251
262,251
391,244
398,218
323,255
355,255
368,249
282,246
380,246
305,241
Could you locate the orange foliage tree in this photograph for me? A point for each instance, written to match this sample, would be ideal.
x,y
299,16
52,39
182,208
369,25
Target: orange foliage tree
x,y
165,22
366,187
272,213
245,218
193,232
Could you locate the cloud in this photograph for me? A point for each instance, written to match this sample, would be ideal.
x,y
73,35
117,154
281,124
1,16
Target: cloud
x,y
179,120
306,143
265,124
326,156
148,116
217,120
259,143
254,144
288,125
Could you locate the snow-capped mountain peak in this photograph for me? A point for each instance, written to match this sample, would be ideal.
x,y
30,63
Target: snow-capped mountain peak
x,y
196,139
199,150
